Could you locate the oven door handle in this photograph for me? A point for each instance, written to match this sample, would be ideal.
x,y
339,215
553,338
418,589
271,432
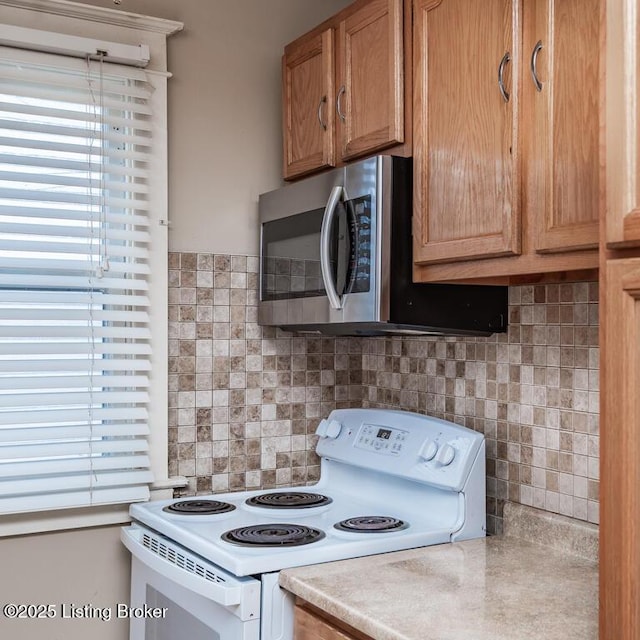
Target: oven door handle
x,y
227,596
325,246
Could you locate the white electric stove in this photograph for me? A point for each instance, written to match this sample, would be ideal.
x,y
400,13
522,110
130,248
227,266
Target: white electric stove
x,y
207,568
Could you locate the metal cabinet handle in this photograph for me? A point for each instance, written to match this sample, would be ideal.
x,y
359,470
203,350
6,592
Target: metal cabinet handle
x,y
503,63
534,62
323,124
338,103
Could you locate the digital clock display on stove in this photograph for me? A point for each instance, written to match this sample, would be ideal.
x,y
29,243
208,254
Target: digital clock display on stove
x,y
384,440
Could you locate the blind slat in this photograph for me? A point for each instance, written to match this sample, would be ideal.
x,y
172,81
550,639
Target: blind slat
x,y
71,399
98,333
47,130
44,297
74,149
64,415
67,499
95,479
71,249
53,232
50,467
68,281
70,165
55,181
66,365
60,348
71,449
52,433
73,382
86,266
85,116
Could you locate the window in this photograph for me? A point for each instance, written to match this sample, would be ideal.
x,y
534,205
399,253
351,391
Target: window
x,y
77,293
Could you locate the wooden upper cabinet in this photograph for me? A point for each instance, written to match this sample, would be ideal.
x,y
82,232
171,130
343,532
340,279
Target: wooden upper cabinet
x,y
560,125
370,74
466,198
622,124
505,189
308,116
348,102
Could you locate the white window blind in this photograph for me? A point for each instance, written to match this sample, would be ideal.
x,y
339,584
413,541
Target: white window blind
x,y
75,139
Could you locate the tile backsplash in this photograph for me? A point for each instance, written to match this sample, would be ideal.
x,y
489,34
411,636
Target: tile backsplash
x,y
245,400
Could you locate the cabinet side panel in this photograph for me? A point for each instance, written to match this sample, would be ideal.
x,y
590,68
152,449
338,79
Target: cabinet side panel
x,y
620,453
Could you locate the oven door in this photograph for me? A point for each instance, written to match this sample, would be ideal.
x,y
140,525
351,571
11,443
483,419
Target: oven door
x,y
177,594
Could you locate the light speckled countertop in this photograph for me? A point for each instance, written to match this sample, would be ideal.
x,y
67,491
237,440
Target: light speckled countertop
x,y
497,588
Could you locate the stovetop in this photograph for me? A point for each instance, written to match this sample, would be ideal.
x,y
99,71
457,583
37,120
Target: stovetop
x,y
378,469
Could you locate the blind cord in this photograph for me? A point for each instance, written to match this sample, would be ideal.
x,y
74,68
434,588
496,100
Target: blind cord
x,y
96,135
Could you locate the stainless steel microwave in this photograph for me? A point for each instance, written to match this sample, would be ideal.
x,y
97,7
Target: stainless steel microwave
x,y
335,258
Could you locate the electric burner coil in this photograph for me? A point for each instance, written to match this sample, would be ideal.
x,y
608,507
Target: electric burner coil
x,y
199,507
289,500
371,524
273,535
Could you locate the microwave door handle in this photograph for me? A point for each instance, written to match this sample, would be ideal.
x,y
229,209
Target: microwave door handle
x,y
325,246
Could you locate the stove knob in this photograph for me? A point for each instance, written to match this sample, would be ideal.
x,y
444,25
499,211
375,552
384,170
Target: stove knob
x,y
429,450
322,428
333,429
446,455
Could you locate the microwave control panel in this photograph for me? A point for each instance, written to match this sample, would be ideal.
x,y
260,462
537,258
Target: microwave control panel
x,y
360,231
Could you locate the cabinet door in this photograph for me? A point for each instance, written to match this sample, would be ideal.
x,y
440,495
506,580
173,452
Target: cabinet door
x,y
308,626
560,105
622,123
307,101
369,101
466,182
620,451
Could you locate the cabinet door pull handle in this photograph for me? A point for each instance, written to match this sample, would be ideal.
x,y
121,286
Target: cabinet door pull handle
x,y
323,124
503,63
338,103
534,62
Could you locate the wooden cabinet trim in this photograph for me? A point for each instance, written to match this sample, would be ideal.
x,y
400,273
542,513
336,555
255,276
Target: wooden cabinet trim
x,y
507,267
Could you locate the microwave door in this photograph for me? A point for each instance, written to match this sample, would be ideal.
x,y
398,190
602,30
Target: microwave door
x,y
292,287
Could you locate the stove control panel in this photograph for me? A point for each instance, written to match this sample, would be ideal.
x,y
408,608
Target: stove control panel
x,y
384,440
401,443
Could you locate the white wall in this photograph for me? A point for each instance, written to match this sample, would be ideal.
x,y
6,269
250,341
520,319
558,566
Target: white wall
x,y
225,149
84,567
225,126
